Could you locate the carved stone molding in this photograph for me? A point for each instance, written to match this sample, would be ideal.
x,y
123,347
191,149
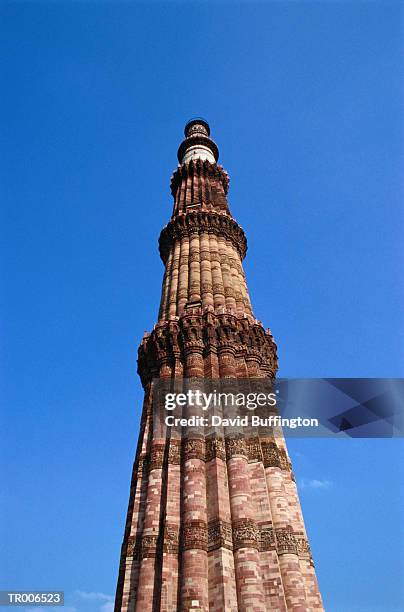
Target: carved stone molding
x,y
245,534
274,456
148,546
253,450
286,541
130,546
267,538
303,547
270,454
156,457
284,461
236,447
174,452
220,535
193,449
215,448
195,535
196,333
171,539
143,463
200,222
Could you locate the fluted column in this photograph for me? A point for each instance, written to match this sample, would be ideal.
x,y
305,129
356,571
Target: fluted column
x,y
244,289
222,579
151,544
269,563
183,275
233,259
194,269
292,579
151,529
170,554
166,287
172,300
194,569
217,276
129,571
250,595
206,271
226,274
313,596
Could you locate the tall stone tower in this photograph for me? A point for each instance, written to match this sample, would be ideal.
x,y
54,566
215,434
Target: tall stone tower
x,y
214,524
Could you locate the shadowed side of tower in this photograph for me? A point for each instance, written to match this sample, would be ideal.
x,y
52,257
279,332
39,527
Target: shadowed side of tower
x,y
213,524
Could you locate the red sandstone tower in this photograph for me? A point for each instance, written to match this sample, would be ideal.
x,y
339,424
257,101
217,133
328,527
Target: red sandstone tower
x,y
214,524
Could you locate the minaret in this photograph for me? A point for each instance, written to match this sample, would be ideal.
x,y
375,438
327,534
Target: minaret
x,y
214,524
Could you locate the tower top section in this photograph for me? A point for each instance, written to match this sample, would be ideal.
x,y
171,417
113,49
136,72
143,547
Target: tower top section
x,y
197,143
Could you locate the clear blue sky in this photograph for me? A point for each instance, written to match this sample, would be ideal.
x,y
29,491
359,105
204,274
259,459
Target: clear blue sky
x,y
305,102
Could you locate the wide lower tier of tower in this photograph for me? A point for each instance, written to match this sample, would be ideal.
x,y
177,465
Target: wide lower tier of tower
x,y
214,524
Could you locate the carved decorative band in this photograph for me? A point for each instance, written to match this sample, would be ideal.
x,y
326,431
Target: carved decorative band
x,y
171,539
267,538
220,535
227,351
174,452
195,333
274,456
229,292
195,535
236,447
202,222
149,546
215,448
194,257
143,464
284,460
303,547
130,546
253,450
270,454
193,449
194,347
218,288
286,541
245,534
140,548
157,456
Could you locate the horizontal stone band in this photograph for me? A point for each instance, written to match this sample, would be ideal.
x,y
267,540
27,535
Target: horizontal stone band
x,y
195,535
244,533
213,447
204,333
201,222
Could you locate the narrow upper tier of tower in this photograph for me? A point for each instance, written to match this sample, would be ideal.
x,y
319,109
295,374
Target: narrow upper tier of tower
x,y
199,182
197,143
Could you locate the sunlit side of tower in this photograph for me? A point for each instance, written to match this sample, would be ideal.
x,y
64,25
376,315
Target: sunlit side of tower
x,y
213,524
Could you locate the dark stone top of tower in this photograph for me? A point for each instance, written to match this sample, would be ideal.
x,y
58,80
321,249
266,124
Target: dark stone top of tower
x,y
197,143
197,125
